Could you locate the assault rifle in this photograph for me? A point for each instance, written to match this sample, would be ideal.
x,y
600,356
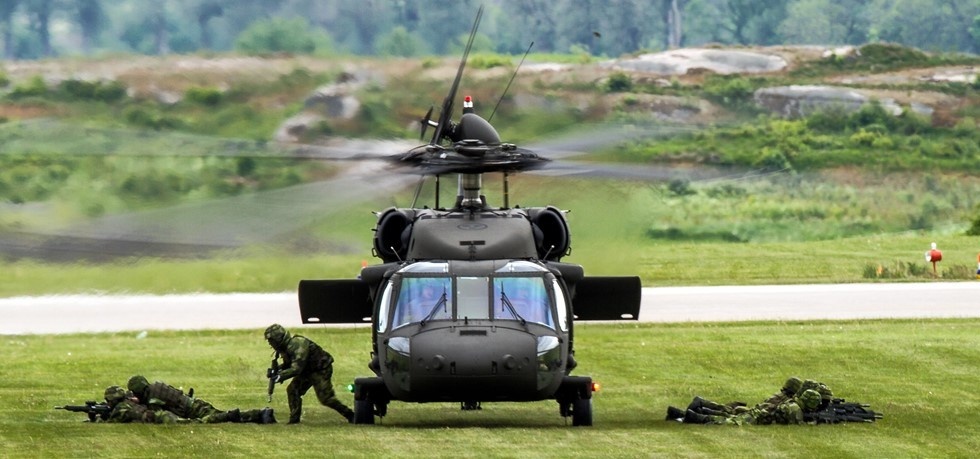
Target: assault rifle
x,y
273,374
95,410
841,411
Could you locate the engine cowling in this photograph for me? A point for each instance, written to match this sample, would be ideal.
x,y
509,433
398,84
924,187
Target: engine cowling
x,y
393,233
551,236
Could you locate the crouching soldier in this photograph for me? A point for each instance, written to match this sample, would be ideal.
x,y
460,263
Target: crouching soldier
x,y
308,365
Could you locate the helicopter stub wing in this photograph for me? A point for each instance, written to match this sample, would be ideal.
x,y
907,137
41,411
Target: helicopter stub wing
x,y
338,301
607,298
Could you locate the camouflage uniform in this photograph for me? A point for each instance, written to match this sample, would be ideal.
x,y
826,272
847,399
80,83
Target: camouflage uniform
x,y
707,407
126,410
787,412
784,407
160,395
308,365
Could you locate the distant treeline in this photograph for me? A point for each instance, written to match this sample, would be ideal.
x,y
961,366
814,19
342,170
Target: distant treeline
x,y
31,29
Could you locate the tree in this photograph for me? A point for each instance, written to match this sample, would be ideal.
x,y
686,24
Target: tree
x,y
673,22
398,42
754,21
39,21
90,17
7,8
826,22
204,12
926,24
279,35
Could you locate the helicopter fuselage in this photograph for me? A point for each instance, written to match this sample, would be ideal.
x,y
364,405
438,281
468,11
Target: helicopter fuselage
x,y
472,331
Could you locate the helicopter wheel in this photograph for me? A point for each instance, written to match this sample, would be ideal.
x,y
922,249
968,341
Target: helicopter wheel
x,y
363,412
582,412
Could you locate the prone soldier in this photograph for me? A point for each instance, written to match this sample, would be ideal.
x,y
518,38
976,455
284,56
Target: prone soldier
x,y
125,409
160,395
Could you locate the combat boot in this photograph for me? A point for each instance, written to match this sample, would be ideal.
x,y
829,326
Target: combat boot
x,y
268,417
692,417
674,414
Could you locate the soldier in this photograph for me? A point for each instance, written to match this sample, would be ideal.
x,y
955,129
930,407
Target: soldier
x,y
308,365
791,387
125,409
160,395
787,412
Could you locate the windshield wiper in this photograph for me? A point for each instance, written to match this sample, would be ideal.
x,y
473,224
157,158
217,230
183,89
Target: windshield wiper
x,y
506,301
440,302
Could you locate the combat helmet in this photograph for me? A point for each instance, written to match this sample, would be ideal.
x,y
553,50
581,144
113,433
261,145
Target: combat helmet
x,y
809,400
276,335
818,386
114,395
138,384
792,386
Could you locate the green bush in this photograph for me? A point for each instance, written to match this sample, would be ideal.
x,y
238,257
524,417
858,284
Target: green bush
x,y
111,91
34,87
728,89
204,96
150,118
4,80
489,60
619,82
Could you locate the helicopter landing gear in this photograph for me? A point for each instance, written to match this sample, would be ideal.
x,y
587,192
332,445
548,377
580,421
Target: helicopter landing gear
x,y
575,399
582,412
370,400
363,412
470,406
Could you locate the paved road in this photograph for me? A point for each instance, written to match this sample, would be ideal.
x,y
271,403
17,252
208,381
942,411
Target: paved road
x,y
82,314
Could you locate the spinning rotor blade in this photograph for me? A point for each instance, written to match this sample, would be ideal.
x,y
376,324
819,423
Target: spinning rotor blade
x,y
54,137
193,229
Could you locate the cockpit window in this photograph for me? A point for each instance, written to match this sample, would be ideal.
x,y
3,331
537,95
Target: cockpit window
x,y
528,299
423,298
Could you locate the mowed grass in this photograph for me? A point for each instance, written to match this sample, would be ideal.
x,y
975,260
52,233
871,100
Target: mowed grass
x,y
658,263
920,374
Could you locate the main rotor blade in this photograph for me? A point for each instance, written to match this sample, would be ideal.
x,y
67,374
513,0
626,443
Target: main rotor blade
x,y
447,104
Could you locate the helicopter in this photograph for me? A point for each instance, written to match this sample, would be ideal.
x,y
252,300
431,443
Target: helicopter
x,y
471,303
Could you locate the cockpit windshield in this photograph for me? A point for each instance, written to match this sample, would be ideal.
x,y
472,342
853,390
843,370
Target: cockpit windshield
x,y
522,298
423,298
517,291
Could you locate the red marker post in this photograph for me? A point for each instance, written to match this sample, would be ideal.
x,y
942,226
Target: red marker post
x,y
934,256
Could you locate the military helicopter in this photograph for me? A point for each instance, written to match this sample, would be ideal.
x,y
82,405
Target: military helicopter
x,y
471,302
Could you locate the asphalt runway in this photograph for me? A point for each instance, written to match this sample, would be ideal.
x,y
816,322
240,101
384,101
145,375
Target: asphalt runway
x,y
94,313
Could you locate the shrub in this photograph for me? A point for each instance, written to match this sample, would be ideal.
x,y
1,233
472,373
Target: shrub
x,y
34,87
619,82
204,96
111,91
728,89
489,60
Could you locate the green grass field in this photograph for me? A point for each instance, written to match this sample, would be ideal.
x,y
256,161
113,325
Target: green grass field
x,y
920,374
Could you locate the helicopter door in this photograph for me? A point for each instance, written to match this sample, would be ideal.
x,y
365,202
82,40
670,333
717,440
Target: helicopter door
x,y
341,301
607,298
